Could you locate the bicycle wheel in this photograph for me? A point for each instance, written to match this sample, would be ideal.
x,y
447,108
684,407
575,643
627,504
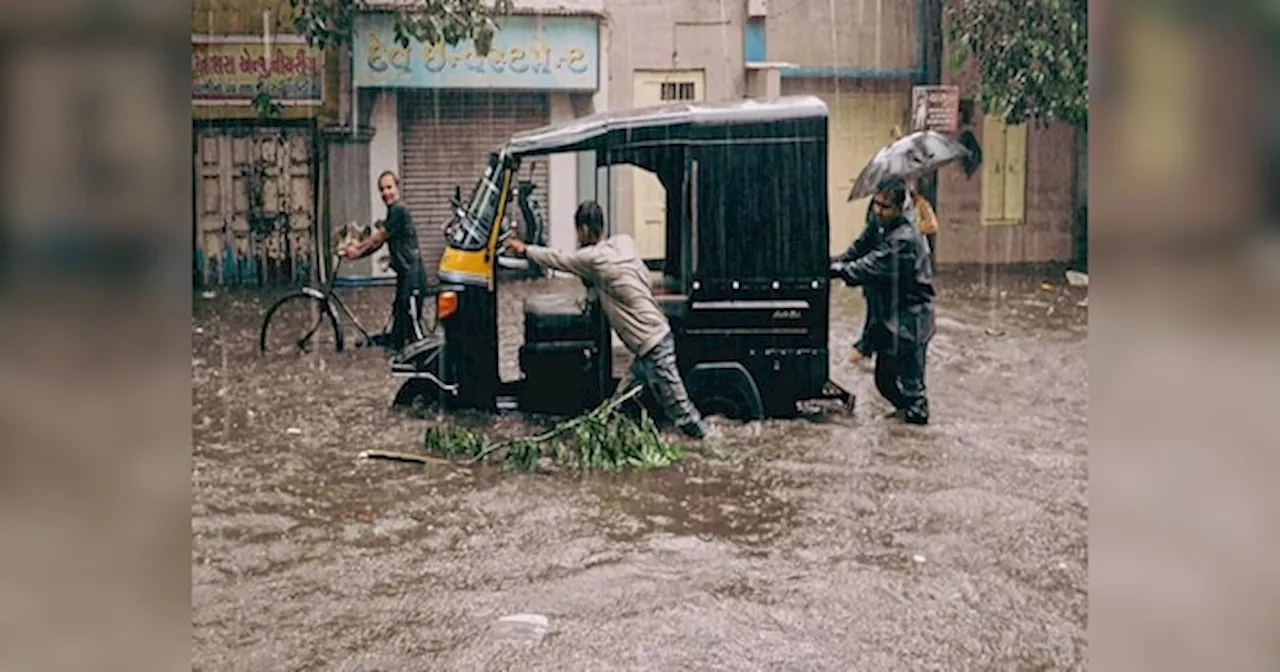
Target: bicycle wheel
x,y
296,323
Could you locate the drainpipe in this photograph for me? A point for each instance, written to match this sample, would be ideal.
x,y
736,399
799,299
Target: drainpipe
x,y
355,98
922,32
929,35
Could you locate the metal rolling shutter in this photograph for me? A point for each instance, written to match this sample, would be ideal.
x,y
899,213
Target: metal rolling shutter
x,y
446,137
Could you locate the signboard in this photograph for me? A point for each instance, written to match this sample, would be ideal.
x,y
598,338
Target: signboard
x,y
232,70
936,108
549,53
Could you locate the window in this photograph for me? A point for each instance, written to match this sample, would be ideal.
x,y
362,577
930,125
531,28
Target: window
x,y
677,91
1004,172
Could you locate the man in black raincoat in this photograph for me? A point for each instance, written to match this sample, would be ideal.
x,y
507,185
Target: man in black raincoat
x,y
891,262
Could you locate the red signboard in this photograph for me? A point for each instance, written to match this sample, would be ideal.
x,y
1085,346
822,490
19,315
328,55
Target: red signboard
x,y
232,70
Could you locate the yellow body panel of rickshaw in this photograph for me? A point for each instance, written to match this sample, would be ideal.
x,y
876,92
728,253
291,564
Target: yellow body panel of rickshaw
x,y
476,267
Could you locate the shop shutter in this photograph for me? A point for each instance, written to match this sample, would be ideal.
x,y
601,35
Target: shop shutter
x,y
446,138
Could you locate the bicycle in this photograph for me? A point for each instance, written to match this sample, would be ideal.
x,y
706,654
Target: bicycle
x,y
321,300
318,305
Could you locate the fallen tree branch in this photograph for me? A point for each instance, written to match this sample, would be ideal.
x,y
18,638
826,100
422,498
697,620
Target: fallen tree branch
x,y
604,438
400,457
602,410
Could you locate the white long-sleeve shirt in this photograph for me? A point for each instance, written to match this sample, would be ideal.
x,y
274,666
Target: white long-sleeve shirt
x,y
621,280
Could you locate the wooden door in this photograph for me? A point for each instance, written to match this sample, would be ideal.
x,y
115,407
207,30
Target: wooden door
x,y
1004,172
254,205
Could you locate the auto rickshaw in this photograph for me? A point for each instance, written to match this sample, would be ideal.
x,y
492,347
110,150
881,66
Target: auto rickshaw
x,y
744,279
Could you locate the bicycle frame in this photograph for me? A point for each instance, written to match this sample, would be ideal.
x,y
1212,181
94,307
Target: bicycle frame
x,y
328,293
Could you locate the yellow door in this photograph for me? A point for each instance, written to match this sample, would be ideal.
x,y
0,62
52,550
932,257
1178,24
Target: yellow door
x,y
649,200
1004,172
860,125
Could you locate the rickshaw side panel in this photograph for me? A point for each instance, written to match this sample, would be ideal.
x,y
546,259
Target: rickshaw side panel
x,y
471,349
758,290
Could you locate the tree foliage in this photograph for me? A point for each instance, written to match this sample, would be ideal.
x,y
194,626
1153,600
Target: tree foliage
x,y
1033,57
329,23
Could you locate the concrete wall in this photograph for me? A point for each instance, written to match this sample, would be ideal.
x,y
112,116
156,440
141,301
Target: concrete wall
x,y
1046,233
670,35
866,35
563,175
384,154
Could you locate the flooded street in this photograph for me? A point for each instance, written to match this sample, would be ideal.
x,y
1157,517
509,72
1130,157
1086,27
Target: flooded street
x,y
849,544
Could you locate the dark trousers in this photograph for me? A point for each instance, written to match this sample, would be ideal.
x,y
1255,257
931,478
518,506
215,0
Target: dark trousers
x,y
657,370
863,344
900,379
406,309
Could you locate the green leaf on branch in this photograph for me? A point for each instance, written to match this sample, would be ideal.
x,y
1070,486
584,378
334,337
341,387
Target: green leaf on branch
x,y
330,23
265,105
605,438
1032,57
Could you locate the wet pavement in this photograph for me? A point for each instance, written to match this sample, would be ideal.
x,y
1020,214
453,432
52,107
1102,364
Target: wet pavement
x,y
852,543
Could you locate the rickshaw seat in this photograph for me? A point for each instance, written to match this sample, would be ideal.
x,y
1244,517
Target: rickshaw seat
x,y
556,317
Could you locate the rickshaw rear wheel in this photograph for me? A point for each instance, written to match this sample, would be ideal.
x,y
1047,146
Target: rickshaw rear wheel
x,y
416,397
728,403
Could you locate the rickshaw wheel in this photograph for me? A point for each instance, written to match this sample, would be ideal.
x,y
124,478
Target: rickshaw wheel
x,y
416,397
726,403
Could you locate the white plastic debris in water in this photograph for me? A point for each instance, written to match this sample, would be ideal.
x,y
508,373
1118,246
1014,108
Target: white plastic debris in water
x,y
523,627
208,295
293,431
1077,279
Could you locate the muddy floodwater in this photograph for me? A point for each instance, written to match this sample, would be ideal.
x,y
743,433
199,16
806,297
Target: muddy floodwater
x,y
848,544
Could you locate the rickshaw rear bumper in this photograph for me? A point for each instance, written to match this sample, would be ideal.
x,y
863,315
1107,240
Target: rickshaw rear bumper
x,y
832,391
421,361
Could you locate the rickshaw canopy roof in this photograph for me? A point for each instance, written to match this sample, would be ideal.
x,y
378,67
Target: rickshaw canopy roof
x,y
684,123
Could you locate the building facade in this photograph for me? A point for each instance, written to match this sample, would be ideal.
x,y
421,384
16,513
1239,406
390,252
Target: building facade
x,y
434,113
1019,205
257,99
1024,200
660,53
862,58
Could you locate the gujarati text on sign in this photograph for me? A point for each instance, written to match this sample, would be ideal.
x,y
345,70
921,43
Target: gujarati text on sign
x,y
234,72
541,53
935,108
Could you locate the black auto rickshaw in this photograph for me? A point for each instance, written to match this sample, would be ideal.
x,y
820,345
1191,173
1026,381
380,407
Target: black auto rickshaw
x,y
744,279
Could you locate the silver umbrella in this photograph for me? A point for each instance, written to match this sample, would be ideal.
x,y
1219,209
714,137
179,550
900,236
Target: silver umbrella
x,y
907,157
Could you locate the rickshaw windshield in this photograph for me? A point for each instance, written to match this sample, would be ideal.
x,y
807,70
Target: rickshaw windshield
x,y
469,229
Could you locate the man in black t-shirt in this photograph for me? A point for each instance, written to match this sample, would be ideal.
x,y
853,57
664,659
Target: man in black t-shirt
x,y
411,275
